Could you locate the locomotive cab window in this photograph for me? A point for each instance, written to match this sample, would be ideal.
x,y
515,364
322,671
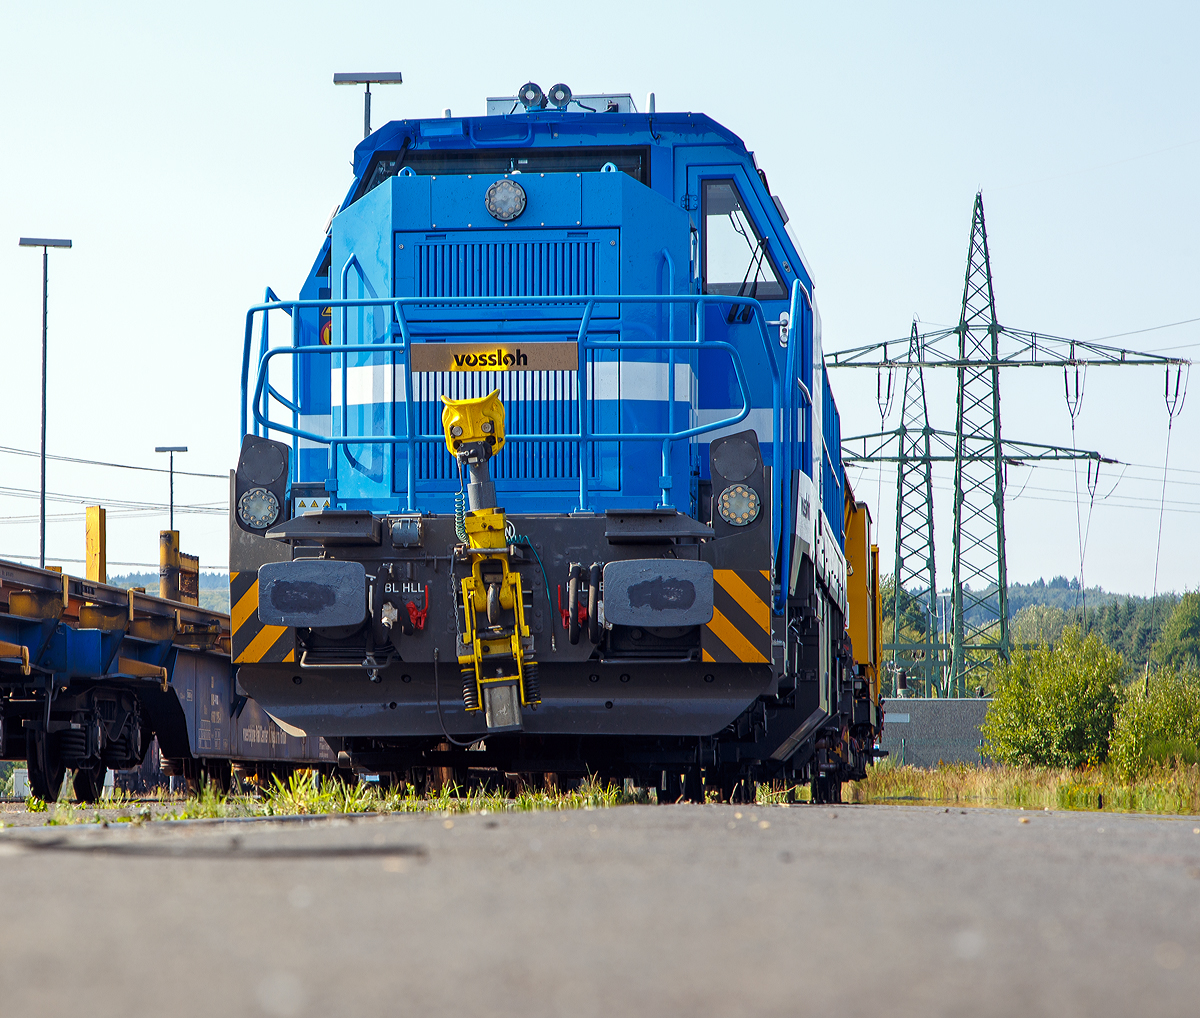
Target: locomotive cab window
x,y
735,256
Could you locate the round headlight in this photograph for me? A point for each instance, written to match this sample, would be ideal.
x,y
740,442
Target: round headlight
x,y
739,505
505,200
531,96
258,508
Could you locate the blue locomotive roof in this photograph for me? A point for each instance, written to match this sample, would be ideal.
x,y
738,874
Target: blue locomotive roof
x,y
492,138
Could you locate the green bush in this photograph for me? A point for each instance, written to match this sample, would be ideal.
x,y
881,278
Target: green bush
x,y
1055,707
1161,727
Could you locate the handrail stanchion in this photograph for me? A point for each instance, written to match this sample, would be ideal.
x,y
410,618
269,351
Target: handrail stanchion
x,y
664,497
246,368
410,423
263,345
777,465
344,359
795,337
295,464
581,385
264,342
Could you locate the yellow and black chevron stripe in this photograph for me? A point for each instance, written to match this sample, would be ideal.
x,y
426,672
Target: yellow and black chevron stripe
x,y
252,640
740,630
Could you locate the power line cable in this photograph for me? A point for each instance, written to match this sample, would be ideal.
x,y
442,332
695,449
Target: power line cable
x,y
75,499
100,463
78,561
1151,328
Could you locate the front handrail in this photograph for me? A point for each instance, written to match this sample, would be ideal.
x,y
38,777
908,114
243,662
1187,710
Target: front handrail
x,y
399,341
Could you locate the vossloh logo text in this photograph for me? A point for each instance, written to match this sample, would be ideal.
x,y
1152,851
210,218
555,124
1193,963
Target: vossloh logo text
x,y
500,359
553,356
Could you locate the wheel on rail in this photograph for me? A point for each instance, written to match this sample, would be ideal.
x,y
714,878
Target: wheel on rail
x,y
670,788
88,782
826,790
218,774
735,786
46,768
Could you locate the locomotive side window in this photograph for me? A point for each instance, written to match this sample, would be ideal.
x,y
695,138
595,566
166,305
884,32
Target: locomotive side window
x,y
736,261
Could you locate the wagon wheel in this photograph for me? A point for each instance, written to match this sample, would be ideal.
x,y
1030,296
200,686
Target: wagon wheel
x,y
89,781
46,768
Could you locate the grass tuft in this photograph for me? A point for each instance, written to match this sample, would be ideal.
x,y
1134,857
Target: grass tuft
x,y
308,793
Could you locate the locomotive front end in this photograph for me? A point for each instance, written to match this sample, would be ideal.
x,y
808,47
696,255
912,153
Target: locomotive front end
x,y
526,473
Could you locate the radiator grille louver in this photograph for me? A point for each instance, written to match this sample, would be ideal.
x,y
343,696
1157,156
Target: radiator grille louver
x,y
523,269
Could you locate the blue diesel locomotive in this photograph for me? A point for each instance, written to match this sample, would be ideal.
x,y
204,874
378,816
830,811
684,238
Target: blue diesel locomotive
x,y
542,473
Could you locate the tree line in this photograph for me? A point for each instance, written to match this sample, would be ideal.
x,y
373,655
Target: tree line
x,y
1040,613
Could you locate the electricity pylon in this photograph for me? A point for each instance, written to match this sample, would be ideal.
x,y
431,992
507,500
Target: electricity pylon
x,y
977,450
978,474
915,573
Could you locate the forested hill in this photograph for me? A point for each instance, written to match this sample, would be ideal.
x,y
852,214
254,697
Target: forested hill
x,y
1039,612
1060,592
1130,624
1064,594
214,587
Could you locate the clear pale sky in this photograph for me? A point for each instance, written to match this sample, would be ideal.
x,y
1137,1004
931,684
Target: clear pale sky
x,y
193,154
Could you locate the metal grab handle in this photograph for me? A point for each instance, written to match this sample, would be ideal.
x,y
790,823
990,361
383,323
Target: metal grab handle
x,y
573,603
593,605
368,664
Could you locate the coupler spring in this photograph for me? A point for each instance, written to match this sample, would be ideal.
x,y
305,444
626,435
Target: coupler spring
x,y
470,690
533,687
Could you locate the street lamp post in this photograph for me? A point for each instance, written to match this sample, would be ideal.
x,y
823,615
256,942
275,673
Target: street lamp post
x,y
368,79
172,449
45,244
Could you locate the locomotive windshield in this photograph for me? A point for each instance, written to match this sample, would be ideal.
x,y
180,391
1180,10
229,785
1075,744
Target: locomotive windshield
x,y
633,161
736,261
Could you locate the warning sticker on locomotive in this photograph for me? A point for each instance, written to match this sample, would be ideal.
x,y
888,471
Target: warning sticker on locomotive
x,y
495,357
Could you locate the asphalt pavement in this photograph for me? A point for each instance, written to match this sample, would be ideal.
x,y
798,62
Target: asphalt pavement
x,y
637,910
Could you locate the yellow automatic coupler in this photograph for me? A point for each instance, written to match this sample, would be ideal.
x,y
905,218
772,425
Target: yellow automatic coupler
x,y
495,648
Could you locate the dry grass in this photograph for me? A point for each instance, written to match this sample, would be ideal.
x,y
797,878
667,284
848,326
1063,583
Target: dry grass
x,y
1162,790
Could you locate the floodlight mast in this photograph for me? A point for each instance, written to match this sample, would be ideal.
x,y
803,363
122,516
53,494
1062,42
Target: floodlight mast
x,y
45,243
172,449
368,79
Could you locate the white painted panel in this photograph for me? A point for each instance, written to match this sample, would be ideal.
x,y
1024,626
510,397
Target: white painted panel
x,y
316,424
633,380
366,384
758,421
